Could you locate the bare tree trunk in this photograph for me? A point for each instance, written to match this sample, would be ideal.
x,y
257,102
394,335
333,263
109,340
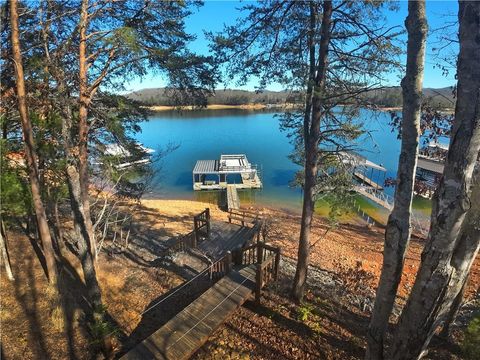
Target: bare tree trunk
x,y
30,150
59,230
311,157
470,229
453,312
448,255
5,258
84,245
398,230
83,126
77,196
311,74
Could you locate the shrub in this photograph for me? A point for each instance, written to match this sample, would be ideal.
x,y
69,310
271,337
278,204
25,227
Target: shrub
x,y
304,311
471,342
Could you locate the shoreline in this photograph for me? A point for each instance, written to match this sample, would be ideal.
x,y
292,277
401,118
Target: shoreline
x,y
250,107
160,108
345,245
198,205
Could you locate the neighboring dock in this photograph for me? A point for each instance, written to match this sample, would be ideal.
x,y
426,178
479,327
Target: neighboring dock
x,y
378,197
366,180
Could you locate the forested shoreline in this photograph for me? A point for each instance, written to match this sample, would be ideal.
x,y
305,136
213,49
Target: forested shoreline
x,y
385,98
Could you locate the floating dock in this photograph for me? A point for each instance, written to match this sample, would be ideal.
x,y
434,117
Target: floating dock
x,y
218,174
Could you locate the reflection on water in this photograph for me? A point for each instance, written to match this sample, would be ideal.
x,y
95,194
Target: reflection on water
x,y
208,113
246,196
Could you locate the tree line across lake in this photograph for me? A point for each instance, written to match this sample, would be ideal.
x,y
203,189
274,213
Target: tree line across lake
x,y
441,98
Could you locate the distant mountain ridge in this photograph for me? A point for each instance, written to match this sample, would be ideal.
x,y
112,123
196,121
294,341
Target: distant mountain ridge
x,y
388,97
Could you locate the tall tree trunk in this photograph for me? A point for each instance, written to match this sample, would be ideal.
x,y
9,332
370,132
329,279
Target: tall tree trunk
x,y
83,126
58,229
311,157
311,74
447,256
453,311
76,203
470,229
81,216
398,230
84,245
30,150
5,258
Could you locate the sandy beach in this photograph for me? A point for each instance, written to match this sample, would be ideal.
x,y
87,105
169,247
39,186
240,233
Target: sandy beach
x,y
333,249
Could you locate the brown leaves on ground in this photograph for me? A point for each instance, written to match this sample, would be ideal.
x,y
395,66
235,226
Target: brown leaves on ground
x,y
131,281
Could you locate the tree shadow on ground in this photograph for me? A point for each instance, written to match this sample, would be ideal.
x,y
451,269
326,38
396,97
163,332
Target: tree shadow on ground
x,y
75,297
341,317
42,309
149,236
27,298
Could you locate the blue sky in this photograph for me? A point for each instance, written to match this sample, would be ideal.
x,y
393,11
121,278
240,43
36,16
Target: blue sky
x,y
215,13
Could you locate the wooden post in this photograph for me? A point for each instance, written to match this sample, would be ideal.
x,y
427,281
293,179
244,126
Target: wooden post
x,y
258,284
259,253
229,262
277,262
195,230
235,257
208,223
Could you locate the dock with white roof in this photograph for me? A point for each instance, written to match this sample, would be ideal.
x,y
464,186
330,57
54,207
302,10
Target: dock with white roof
x,y
218,174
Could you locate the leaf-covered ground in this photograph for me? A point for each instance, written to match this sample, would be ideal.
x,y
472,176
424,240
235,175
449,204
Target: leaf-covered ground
x,y
331,324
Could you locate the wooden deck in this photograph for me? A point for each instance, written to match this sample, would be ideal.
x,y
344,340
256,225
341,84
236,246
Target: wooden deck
x,y
180,337
226,237
233,202
252,183
367,181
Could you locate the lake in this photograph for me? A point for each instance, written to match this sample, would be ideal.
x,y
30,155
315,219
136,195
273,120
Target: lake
x,y
206,134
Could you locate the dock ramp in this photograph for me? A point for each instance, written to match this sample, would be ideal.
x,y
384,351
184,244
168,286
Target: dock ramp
x,y
233,201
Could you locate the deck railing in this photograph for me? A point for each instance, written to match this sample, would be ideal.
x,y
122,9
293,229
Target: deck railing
x,y
248,255
201,223
244,216
266,272
183,243
267,260
221,267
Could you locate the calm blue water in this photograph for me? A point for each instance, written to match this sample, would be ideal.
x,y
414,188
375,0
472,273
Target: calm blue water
x,y
209,133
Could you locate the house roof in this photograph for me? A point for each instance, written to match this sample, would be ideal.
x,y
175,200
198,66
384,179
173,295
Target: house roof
x,y
430,165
